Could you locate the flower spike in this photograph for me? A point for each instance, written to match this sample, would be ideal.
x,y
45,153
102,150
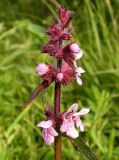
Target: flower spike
x,y
63,73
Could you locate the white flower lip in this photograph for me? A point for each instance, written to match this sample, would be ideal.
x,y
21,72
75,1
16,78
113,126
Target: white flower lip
x,y
48,132
70,118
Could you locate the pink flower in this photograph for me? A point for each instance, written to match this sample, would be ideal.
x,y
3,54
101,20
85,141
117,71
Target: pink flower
x,y
48,132
60,76
79,70
71,53
76,50
47,72
66,75
70,118
42,69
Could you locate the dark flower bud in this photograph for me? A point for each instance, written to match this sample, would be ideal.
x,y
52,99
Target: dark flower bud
x,y
65,16
49,113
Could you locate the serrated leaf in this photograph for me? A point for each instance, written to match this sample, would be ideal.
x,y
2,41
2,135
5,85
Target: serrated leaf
x,y
36,92
84,149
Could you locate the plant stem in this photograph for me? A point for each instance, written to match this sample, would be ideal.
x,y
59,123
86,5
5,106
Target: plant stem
x,y
57,147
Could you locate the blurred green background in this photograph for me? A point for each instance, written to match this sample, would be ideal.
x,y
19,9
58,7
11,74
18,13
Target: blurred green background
x,y
22,27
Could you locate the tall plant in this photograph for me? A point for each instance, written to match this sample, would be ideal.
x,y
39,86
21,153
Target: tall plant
x,y
66,54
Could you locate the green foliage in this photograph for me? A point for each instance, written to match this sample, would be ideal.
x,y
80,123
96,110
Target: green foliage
x,y
84,149
22,26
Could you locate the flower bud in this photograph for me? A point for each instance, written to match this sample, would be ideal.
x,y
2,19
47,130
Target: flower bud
x,y
49,112
65,16
42,69
74,47
76,50
59,76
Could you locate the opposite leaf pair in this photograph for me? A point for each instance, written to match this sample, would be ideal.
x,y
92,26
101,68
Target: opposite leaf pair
x,y
67,121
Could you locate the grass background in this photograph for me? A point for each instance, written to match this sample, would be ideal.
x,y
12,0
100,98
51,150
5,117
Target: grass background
x,y
22,27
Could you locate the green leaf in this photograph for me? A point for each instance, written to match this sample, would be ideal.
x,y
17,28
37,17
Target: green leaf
x,y
84,149
36,30
36,92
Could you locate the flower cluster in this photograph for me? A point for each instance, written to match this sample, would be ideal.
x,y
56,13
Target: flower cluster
x,y
67,122
58,32
65,75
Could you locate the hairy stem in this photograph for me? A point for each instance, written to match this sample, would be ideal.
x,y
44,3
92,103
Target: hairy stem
x,y
57,147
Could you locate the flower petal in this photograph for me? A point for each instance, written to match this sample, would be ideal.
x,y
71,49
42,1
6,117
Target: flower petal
x,y
65,67
45,124
80,70
79,81
78,121
75,64
78,55
81,126
60,77
64,126
73,108
48,139
71,131
82,112
53,132
74,47
42,69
